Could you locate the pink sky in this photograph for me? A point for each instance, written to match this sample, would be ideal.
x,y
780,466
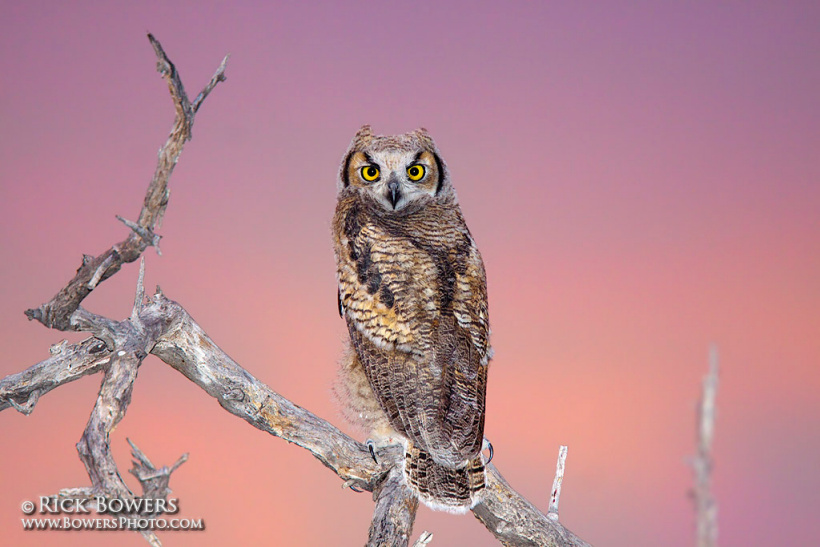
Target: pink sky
x,y
642,180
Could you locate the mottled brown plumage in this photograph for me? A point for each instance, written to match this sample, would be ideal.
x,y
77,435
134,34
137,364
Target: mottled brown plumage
x,y
412,290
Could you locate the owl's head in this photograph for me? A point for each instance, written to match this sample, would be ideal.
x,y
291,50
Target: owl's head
x,y
395,170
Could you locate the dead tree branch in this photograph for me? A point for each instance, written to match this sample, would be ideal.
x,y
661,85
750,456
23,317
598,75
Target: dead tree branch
x,y
130,341
395,511
154,481
56,313
424,539
163,328
183,345
706,530
122,346
68,362
552,512
513,520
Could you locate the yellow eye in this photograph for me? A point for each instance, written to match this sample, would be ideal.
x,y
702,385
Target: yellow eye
x,y
370,173
415,172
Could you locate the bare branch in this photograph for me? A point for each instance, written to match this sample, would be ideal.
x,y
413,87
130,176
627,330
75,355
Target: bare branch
x,y
186,347
515,521
139,297
67,363
56,313
100,270
219,76
154,481
94,447
182,343
27,407
552,512
126,345
185,113
130,341
705,505
147,235
154,484
394,513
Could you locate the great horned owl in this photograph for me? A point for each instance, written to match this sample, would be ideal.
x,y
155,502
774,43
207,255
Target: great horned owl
x,y
413,292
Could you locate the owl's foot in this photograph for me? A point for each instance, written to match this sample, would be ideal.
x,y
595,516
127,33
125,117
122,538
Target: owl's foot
x,y
372,446
487,445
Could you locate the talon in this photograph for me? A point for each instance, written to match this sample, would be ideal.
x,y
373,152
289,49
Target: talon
x,y
372,446
487,445
351,483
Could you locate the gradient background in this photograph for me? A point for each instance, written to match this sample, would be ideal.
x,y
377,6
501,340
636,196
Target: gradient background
x,y
641,178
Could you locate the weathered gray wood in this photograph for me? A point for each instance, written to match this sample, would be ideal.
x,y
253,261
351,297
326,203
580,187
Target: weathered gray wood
x,y
154,481
183,344
68,362
395,512
112,403
56,313
188,349
513,520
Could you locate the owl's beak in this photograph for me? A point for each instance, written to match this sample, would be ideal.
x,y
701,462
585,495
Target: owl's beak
x,y
394,194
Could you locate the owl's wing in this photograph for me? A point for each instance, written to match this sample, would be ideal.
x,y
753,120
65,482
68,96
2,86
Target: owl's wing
x,y
470,299
466,355
417,318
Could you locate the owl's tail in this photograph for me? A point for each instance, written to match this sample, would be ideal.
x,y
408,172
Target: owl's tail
x,y
453,489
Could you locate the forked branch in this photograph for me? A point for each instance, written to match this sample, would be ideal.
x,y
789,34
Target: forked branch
x,y
56,313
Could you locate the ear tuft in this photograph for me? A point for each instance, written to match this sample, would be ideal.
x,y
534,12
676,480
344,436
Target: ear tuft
x,y
424,137
363,137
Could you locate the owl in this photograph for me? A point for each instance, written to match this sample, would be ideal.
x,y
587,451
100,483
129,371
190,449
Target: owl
x,y
412,290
